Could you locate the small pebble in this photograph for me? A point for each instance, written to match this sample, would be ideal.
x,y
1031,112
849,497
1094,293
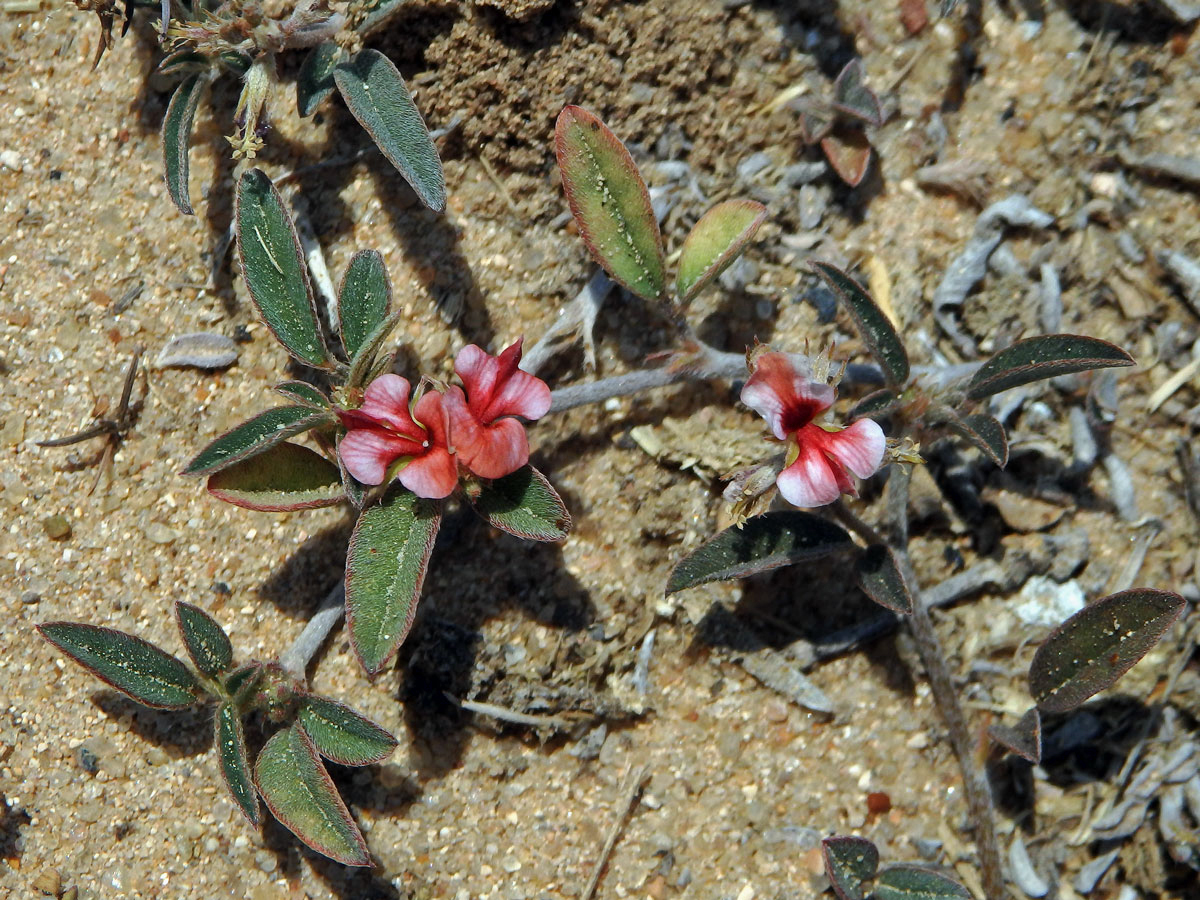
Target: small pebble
x,y
31,597
11,159
49,882
158,533
266,861
57,528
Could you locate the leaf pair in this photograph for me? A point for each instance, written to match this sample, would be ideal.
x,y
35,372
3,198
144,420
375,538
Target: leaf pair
x,y
611,204
852,864
837,125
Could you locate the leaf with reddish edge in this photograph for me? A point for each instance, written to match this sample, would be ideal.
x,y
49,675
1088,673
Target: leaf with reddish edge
x,y
1099,644
363,300
714,243
314,83
849,152
255,436
816,120
385,568
285,478
876,404
878,574
367,363
300,794
1045,356
274,269
1023,739
524,504
852,97
342,735
134,667
873,324
983,431
610,202
764,542
304,393
204,639
177,134
915,883
230,739
850,862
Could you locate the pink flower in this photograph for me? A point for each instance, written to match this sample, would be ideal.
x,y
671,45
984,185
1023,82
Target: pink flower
x,y
384,431
819,456
486,437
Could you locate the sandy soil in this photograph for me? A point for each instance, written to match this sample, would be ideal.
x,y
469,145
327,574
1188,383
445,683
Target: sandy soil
x,y
123,802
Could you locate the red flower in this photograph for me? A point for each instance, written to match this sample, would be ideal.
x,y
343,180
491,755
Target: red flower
x,y
819,456
486,437
383,431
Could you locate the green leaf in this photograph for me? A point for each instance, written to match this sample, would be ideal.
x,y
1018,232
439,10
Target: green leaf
x,y
376,14
286,477
300,794
305,394
176,135
852,96
764,542
849,863
355,490
314,83
816,120
610,202
872,323
254,436
877,403
914,883
385,568
1099,644
133,666
205,640
367,365
523,504
342,735
714,242
879,576
235,766
981,430
243,681
363,300
375,94
1025,739
273,265
1046,356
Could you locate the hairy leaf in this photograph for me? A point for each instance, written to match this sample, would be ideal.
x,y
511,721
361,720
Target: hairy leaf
x,y
315,83
376,95
367,364
816,119
385,568
714,243
133,666
254,436
1099,644
872,323
764,542
342,735
877,403
177,134
205,640
849,153
304,393
273,265
300,794
230,739
1024,739
852,96
610,202
915,883
879,575
363,300
524,504
985,432
1045,356
286,477
243,681
850,862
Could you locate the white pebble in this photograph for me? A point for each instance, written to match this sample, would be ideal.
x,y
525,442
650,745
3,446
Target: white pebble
x,y
11,159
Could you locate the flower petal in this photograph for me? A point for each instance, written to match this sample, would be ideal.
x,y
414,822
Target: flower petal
x,y
858,447
386,400
502,448
478,370
786,398
496,387
368,452
811,480
431,415
433,475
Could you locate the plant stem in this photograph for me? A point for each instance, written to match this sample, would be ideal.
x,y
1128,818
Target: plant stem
x,y
297,657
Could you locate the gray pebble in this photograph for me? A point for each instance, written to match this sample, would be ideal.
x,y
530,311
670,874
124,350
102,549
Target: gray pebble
x,y
199,350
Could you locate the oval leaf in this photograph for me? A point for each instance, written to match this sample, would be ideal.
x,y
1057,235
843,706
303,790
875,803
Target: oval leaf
x,y
1023,739
610,202
385,568
852,96
176,136
304,393
1045,356
235,767
849,863
524,504
849,153
286,477
984,431
342,735
877,403
205,640
363,300
1099,644
376,95
872,323
133,666
879,576
716,241
315,81
255,436
273,266
915,883
761,543
301,795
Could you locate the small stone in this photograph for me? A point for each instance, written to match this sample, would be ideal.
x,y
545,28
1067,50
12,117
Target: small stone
x,y
511,864
57,527
157,533
49,882
11,159
29,598
266,861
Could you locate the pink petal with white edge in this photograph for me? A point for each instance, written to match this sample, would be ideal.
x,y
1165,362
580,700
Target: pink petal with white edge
x,y
858,447
432,476
811,480
786,398
368,452
386,399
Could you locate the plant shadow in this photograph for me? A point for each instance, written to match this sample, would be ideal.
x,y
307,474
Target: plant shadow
x,y
181,733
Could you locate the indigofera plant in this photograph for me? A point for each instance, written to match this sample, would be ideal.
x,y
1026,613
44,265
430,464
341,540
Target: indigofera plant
x,y
839,124
256,696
